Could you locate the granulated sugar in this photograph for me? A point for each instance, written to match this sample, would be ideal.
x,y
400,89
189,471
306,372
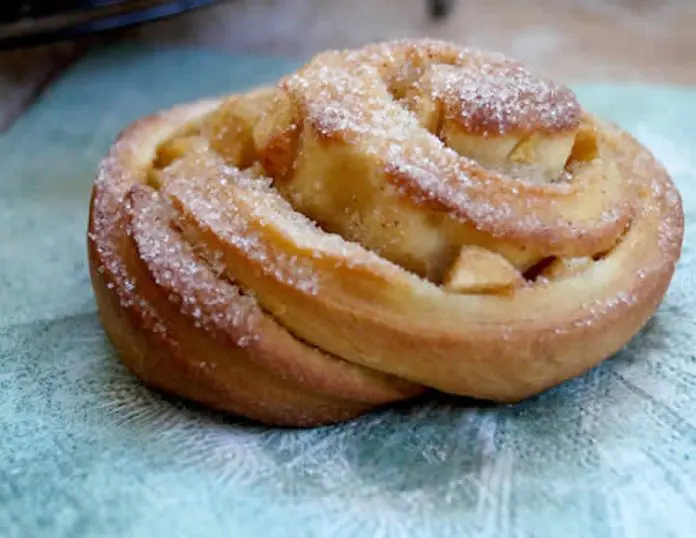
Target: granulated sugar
x,y
214,304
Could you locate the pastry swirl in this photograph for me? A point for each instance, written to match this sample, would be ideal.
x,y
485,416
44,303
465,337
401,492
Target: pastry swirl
x,y
408,216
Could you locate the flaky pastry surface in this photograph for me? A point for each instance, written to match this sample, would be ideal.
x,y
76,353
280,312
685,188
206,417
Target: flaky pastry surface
x,y
384,221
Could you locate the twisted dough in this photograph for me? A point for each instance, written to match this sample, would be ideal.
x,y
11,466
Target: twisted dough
x,y
406,216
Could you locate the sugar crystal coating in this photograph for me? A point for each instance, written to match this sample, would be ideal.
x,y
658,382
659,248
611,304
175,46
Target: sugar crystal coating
x,y
210,219
213,303
351,98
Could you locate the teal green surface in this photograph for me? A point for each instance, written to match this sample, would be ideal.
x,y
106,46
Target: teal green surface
x,y
85,450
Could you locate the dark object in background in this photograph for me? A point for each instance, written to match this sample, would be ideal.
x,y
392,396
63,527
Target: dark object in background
x,y
439,9
32,22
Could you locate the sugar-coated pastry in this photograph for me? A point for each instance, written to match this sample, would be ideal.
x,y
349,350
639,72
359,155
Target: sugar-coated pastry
x,y
408,216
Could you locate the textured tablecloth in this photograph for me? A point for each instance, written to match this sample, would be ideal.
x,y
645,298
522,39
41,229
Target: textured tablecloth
x,y
85,450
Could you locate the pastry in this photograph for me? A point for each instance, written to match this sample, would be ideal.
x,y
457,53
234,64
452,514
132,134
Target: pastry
x,y
404,217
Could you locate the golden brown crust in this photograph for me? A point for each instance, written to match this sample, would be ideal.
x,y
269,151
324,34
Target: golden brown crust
x,y
448,265
239,360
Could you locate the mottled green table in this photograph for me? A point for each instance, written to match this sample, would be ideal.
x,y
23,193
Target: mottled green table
x,y
85,450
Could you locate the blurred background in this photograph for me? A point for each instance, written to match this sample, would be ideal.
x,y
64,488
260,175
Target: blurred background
x,y
574,40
